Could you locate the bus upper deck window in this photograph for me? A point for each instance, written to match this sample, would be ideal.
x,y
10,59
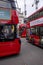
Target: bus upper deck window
x,y
5,4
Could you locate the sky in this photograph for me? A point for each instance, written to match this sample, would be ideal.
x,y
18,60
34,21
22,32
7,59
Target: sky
x,y
29,7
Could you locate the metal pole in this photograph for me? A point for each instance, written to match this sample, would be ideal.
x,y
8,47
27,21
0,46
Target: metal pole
x,y
25,7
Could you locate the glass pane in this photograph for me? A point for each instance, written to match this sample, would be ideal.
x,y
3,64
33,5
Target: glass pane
x,y
7,32
41,13
3,13
33,31
41,30
5,4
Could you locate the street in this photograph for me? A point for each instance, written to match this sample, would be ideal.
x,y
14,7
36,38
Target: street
x,y
29,55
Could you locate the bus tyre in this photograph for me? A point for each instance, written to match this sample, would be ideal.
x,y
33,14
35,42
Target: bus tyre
x,y
41,45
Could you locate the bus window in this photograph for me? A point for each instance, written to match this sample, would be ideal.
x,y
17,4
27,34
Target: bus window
x,y
33,31
5,4
41,13
41,30
37,30
3,14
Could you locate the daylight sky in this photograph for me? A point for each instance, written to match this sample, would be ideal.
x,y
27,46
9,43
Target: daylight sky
x,y
29,7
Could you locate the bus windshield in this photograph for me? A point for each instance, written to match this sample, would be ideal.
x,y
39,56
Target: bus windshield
x,y
5,4
7,32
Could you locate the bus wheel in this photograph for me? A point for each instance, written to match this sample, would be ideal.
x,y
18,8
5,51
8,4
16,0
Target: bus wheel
x,y
41,45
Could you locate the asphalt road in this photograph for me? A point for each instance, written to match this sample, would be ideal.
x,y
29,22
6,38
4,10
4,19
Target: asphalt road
x,y
29,55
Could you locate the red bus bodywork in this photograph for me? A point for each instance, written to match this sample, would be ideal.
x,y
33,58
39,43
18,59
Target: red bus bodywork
x,y
22,30
35,25
12,46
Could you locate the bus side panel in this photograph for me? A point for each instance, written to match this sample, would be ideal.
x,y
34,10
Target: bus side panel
x,y
36,39
9,48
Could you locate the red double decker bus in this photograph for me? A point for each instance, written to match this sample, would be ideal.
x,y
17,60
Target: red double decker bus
x,y
34,30
22,30
9,42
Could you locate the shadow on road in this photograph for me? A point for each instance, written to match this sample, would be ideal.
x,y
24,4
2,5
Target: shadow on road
x,y
10,56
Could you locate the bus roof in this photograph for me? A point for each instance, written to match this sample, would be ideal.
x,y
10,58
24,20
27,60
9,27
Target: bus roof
x,y
36,12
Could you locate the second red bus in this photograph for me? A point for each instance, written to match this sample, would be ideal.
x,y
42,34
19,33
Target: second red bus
x,y
34,29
